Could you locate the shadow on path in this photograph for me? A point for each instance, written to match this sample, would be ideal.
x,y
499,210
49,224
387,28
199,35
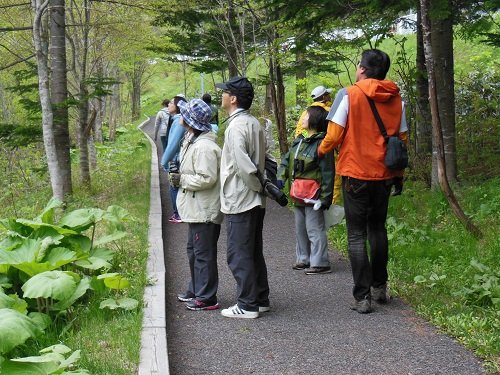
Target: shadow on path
x,y
310,329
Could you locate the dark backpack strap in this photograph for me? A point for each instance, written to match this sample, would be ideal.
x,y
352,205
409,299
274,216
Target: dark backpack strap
x,y
378,119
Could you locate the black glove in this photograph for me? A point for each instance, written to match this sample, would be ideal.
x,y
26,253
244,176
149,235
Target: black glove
x,y
174,179
398,186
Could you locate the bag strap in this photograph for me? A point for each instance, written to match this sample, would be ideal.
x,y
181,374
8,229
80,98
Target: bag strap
x,y
296,154
377,118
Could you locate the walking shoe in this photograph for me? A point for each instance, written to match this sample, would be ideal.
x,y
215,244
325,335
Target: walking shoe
x,y
196,304
318,270
300,266
263,309
185,297
380,294
237,312
175,218
363,306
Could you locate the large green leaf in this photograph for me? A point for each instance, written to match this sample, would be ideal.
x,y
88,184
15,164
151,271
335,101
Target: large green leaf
x,y
78,243
114,281
10,242
29,257
42,320
79,291
120,303
93,263
21,368
36,225
15,329
13,302
58,285
47,215
110,237
81,219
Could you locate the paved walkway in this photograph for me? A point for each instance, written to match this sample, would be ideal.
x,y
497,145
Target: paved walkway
x,y
310,329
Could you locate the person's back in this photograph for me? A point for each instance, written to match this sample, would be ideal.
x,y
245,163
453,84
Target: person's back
x,y
366,181
161,124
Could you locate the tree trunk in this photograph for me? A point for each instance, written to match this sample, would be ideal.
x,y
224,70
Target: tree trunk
x,y
49,143
114,109
83,106
436,123
59,91
300,77
278,100
442,44
233,53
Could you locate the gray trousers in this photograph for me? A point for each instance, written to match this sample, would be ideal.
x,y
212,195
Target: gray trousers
x,y
202,256
245,258
310,232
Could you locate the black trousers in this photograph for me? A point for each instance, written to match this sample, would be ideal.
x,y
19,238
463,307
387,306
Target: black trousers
x,y
366,204
245,258
202,256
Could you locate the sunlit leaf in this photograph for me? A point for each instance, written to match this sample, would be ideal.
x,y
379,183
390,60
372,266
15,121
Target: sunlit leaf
x,y
120,303
58,285
15,329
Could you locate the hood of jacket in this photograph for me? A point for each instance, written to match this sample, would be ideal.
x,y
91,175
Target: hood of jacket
x,y
378,90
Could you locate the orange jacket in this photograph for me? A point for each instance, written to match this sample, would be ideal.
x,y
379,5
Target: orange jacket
x,y
363,147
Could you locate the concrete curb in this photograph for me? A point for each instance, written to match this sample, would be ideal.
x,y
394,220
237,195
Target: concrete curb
x,y
154,353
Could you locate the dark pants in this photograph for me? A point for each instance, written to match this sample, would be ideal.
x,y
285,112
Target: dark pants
x,y
173,198
245,258
366,205
163,140
202,256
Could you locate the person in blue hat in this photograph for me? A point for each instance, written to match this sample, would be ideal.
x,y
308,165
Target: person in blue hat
x,y
198,203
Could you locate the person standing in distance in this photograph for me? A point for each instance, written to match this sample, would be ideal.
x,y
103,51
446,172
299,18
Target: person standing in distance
x,y
161,124
242,200
366,181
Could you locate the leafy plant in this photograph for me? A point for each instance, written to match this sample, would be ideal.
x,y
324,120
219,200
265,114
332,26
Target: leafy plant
x,y
485,290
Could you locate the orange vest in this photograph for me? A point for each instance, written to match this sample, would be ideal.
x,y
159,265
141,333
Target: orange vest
x,y
363,148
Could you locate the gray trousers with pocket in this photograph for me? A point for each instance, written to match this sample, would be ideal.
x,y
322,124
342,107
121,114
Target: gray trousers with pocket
x,y
310,233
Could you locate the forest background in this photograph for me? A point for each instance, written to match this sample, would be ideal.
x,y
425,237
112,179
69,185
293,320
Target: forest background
x,y
76,77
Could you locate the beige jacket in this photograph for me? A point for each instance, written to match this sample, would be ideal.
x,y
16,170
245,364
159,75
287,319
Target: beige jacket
x,y
243,151
198,197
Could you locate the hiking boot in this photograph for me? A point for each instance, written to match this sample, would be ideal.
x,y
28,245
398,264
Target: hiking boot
x,y
237,312
318,270
185,297
263,309
300,266
363,306
196,305
380,294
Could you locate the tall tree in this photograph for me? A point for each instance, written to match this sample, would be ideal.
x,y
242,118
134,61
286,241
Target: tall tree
x,y
59,91
437,131
40,41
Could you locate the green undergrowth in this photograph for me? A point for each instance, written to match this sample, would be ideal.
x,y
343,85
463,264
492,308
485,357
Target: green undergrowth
x,y
447,275
109,340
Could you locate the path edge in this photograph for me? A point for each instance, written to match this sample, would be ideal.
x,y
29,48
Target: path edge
x,y
154,352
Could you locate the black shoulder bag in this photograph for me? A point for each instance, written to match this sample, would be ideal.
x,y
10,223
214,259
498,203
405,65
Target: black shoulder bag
x,y
396,155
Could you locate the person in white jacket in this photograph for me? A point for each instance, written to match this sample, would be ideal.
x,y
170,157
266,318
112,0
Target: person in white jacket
x,y
161,124
242,199
198,202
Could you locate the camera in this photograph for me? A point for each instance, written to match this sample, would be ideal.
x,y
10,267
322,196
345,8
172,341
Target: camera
x,y
274,193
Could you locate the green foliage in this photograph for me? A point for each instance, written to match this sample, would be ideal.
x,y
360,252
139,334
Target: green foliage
x,y
485,289
15,329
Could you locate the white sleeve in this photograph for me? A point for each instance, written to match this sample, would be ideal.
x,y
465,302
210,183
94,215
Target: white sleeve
x,y
340,116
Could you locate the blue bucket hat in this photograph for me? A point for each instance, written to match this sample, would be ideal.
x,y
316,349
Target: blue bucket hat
x,y
196,114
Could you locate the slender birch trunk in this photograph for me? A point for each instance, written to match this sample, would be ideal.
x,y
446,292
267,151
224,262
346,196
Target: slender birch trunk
x,y
39,10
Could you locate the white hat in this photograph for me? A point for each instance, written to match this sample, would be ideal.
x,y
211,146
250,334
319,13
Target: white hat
x,y
319,91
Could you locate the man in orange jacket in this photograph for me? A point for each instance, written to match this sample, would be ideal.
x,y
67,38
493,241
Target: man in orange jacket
x,y
366,181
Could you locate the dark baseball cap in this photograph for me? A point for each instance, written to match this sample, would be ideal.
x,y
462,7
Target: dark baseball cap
x,y
238,86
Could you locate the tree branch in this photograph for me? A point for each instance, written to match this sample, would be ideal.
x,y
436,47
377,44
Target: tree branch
x,y
16,62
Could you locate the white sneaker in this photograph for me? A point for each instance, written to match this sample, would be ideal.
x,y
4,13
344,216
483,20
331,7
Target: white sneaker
x,y
264,309
237,312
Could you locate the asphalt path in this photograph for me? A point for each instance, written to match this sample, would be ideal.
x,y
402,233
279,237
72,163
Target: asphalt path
x,y
310,328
